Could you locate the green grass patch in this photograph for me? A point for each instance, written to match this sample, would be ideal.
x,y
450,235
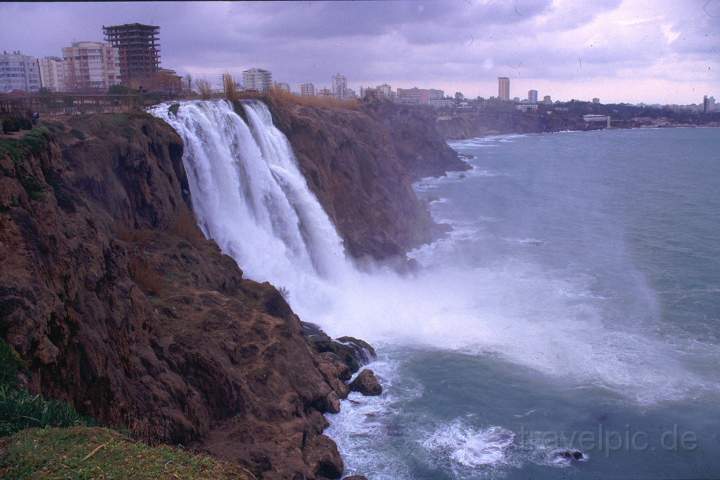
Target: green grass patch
x,y
20,409
11,147
98,453
32,143
36,140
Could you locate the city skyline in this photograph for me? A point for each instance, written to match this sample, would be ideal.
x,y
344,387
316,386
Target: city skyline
x,y
619,51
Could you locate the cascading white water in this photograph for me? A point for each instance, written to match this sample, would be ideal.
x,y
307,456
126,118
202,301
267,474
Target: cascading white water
x,y
250,197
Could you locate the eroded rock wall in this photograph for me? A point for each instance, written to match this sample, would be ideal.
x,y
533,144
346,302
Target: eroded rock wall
x,y
118,304
361,162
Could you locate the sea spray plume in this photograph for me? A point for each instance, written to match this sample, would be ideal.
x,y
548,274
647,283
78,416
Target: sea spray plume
x,y
250,197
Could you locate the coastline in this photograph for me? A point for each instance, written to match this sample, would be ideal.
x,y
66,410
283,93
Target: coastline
x,y
498,134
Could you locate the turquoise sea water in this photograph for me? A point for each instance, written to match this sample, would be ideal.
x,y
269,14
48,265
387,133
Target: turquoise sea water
x,y
589,271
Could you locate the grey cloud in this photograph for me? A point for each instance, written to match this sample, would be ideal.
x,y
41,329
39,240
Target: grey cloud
x,y
425,43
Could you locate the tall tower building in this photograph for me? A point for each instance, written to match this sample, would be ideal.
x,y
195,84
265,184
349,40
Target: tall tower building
x,y
504,88
532,96
139,49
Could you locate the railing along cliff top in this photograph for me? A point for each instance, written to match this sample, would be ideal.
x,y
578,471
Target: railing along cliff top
x,y
80,103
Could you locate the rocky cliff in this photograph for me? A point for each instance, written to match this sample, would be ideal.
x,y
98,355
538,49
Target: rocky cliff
x,y
470,125
360,162
117,304
505,119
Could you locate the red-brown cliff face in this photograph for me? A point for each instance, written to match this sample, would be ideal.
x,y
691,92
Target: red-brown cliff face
x,y
118,304
361,162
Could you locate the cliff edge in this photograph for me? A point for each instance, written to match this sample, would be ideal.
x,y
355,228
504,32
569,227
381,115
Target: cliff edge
x,y
118,305
360,162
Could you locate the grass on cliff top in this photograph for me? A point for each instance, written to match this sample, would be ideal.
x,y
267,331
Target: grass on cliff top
x,y
281,96
99,453
33,142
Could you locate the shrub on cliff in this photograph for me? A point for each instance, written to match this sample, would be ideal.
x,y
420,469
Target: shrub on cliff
x,y
20,409
32,143
281,96
14,124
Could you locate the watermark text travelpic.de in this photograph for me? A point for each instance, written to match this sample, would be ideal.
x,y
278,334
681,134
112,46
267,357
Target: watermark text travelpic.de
x,y
603,439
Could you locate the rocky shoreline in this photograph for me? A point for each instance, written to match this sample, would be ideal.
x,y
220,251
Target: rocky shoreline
x,y
482,124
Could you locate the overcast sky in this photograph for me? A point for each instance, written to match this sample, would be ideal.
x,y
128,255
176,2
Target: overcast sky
x,y
664,51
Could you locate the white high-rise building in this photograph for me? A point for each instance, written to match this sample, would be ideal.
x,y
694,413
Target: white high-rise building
x,y
339,86
52,73
19,72
385,90
91,66
257,79
307,90
419,96
532,96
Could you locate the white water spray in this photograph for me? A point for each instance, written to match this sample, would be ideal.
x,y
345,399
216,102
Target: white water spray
x,y
250,197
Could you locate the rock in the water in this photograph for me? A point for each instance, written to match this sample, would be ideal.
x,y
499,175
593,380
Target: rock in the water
x,y
351,351
363,350
570,455
366,383
356,477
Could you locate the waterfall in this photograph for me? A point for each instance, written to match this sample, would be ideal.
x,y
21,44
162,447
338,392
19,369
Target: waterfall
x,y
251,198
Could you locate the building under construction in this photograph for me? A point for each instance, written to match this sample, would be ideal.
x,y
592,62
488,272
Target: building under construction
x,y
139,49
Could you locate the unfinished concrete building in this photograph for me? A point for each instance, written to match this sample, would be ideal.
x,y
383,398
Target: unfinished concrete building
x,y
139,49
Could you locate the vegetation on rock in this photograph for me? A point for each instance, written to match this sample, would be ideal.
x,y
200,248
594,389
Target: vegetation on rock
x,y
99,453
20,409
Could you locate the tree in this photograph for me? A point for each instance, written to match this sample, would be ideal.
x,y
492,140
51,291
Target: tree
x,y
203,88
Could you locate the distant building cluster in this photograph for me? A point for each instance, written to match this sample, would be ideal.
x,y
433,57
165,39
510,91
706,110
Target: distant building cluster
x,y
128,56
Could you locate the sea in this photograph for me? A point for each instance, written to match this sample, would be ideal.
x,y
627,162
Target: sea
x,y
585,341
